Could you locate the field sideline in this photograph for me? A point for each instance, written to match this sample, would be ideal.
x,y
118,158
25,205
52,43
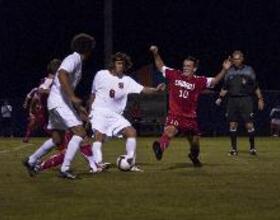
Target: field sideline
x,y
245,187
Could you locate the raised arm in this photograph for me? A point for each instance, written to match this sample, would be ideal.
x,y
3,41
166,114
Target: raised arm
x,y
221,74
157,58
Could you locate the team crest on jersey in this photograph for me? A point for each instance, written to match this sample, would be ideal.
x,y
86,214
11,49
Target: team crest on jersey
x,y
121,85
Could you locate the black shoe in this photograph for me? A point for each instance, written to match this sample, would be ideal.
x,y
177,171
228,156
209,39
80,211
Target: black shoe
x,y
67,175
196,162
253,151
157,150
233,152
30,168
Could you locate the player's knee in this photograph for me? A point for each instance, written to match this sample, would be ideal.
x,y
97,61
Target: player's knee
x,y
130,132
79,131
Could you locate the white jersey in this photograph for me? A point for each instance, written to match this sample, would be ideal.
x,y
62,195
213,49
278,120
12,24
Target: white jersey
x,y
46,84
73,65
111,91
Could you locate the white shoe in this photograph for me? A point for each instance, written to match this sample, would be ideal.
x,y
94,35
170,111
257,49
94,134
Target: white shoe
x,y
136,169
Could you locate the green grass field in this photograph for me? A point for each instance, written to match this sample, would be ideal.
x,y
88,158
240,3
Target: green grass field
x,y
245,187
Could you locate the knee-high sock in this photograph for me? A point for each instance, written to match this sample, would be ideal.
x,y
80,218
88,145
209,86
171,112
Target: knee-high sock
x,y
86,151
164,142
251,134
195,149
71,150
97,152
41,151
53,161
131,147
233,138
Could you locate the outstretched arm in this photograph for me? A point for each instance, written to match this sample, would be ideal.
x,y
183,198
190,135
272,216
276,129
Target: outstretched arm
x,y
151,90
157,58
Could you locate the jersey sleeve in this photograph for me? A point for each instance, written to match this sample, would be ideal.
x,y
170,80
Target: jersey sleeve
x,y
46,84
95,82
134,87
68,64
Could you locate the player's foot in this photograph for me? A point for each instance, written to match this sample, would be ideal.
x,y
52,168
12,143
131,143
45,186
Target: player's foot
x,y
196,162
253,151
29,167
67,175
233,152
25,140
136,169
104,165
157,150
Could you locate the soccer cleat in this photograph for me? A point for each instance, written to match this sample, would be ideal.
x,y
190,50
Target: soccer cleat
x,y
233,152
196,162
104,165
253,151
30,168
136,169
67,175
157,150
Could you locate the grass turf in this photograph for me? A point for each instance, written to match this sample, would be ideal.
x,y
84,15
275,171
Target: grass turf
x,y
245,187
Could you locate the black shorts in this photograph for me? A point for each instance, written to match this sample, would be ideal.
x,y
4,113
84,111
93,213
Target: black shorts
x,y
240,107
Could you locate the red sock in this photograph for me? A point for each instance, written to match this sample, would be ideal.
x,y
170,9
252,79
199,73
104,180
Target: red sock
x,y
53,161
164,141
86,150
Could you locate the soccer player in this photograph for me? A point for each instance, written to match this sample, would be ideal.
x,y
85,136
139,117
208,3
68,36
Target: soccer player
x,y
36,102
110,89
240,85
275,121
65,108
184,88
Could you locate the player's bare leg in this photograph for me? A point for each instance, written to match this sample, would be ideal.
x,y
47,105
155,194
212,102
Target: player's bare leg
x,y
194,150
29,129
160,145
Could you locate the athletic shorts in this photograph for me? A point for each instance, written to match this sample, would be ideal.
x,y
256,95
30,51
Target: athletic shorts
x,y
184,125
107,122
63,118
240,107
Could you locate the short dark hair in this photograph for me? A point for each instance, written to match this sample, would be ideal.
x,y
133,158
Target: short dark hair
x,y
53,66
82,43
119,56
193,59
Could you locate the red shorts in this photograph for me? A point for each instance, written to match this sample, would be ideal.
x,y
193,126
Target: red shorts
x,y
183,124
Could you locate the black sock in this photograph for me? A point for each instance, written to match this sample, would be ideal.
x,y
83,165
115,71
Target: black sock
x,y
233,139
195,150
251,135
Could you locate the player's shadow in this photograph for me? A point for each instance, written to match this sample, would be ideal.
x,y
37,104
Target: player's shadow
x,y
190,166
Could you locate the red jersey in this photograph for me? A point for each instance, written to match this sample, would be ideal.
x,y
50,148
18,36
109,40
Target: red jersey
x,y
184,92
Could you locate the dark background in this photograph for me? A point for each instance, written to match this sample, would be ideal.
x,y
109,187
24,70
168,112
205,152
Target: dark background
x,y
33,32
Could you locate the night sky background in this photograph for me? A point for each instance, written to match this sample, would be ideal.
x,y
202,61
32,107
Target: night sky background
x,y
33,32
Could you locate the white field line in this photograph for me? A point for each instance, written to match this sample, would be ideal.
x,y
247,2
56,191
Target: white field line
x,y
15,149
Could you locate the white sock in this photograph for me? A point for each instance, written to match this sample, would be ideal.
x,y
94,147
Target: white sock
x,y
97,152
71,150
41,151
131,147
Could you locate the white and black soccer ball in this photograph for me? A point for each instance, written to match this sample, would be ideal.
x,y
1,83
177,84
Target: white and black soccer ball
x,y
124,163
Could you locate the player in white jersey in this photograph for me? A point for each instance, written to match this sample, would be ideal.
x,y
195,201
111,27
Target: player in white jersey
x,y
110,89
65,108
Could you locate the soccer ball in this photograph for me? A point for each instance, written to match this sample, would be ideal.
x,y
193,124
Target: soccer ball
x,y
124,163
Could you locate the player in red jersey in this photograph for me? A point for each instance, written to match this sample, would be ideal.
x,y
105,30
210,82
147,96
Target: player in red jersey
x,y
36,102
184,88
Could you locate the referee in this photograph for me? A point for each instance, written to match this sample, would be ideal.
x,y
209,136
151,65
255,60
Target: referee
x,y
240,85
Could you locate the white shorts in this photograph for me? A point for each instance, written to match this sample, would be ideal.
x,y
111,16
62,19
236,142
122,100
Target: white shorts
x,y
63,118
107,122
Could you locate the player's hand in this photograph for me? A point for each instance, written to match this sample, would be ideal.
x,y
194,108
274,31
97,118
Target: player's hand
x,y
218,101
154,49
260,104
227,63
161,87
